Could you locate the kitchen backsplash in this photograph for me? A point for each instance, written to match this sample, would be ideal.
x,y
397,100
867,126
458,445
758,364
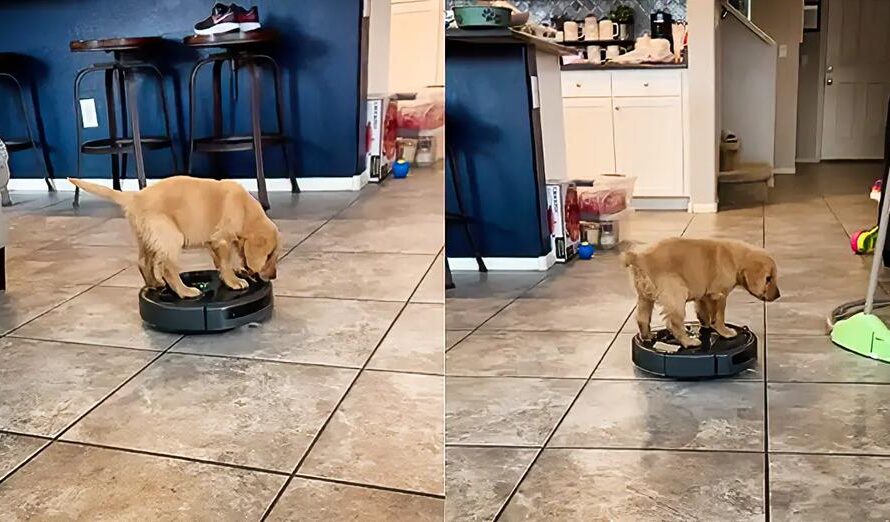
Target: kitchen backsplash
x,y
543,10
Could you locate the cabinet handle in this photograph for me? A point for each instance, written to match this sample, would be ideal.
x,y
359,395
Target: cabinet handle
x,y
645,84
578,85
617,108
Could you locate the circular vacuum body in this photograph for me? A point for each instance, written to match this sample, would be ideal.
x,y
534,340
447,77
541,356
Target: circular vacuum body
x,y
217,310
716,357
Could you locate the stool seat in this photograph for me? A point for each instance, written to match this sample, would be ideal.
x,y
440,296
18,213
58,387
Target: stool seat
x,y
115,44
233,39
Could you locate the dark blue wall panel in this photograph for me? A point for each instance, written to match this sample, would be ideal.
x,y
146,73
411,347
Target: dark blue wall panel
x,y
320,56
490,128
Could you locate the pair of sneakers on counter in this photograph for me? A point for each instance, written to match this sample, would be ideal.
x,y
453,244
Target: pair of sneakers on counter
x,y
227,18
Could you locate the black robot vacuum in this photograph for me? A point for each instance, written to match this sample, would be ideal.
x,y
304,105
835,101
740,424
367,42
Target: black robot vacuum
x,y
217,310
716,357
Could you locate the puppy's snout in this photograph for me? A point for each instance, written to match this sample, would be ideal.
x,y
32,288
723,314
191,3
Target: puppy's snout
x,y
773,294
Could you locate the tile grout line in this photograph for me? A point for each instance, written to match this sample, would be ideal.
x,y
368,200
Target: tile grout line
x,y
342,399
550,435
107,396
499,310
766,483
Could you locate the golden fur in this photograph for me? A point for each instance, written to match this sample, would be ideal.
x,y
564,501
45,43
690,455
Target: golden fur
x,y
675,271
185,212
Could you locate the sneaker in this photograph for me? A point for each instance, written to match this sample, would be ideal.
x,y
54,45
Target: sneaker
x,y
248,19
222,19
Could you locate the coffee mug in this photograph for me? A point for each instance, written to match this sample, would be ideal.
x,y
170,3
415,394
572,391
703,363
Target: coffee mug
x,y
614,51
608,30
570,31
594,54
591,30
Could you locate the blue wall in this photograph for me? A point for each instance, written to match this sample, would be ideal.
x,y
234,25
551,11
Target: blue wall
x,y
320,55
491,129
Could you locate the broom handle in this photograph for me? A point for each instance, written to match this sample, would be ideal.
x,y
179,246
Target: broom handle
x,y
879,252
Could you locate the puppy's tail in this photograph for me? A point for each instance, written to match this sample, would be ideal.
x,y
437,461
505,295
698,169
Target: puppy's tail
x,y
119,197
629,258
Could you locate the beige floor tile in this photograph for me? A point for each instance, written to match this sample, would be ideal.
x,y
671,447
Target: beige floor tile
x,y
416,341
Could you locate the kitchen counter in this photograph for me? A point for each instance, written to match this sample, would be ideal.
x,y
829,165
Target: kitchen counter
x,y
621,66
506,36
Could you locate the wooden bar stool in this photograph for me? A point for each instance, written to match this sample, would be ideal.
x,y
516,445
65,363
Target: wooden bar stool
x,y
120,73
12,70
240,49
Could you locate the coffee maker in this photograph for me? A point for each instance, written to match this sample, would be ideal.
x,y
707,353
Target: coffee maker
x,y
662,26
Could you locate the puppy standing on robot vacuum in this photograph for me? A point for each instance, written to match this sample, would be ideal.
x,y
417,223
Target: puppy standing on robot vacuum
x,y
675,271
184,212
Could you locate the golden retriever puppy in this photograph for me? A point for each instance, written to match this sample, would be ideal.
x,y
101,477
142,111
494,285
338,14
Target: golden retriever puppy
x,y
675,271
184,212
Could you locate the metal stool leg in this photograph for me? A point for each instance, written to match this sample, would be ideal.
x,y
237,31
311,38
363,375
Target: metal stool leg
x,y
189,161
256,126
133,109
77,116
279,112
36,144
112,125
449,153
449,281
164,108
122,94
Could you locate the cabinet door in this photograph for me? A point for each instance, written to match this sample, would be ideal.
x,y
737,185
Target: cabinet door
x,y
415,45
649,144
590,146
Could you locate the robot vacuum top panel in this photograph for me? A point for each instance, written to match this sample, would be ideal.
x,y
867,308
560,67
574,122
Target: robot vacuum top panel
x,y
218,309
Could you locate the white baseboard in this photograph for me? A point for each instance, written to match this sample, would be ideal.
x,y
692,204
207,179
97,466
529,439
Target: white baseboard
x,y
649,203
702,208
808,160
352,183
785,170
535,264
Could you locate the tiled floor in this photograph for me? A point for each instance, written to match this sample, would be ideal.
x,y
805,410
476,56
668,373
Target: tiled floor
x,y
331,410
547,419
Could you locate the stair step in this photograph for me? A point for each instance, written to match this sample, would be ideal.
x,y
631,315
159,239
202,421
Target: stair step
x,y
747,173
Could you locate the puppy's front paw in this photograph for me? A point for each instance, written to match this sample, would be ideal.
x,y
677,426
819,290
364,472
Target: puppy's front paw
x,y
190,292
726,332
236,283
690,342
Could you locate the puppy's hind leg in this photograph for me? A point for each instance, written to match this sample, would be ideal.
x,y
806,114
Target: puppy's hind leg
x,y
165,240
147,268
644,317
673,301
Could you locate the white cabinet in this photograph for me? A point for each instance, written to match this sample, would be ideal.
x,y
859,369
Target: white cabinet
x,y
627,122
649,144
590,144
416,45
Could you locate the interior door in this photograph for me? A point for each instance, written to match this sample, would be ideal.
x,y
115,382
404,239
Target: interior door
x,y
857,79
649,144
590,144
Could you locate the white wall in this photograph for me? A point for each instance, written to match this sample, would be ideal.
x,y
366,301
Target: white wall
x,y
783,21
748,89
702,17
378,47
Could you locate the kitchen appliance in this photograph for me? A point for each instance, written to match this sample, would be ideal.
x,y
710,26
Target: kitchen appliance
x,y
662,26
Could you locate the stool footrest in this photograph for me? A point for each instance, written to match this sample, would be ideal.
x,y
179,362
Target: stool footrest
x,y
123,145
236,143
